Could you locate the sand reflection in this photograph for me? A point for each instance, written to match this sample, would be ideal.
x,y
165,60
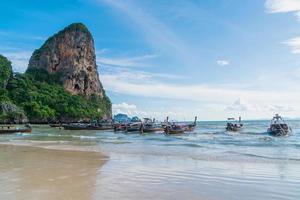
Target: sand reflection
x,y
35,173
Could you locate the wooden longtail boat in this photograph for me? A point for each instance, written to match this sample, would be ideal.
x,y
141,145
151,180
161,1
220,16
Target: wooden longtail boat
x,y
149,126
179,128
12,129
233,125
191,127
55,125
279,127
120,126
152,129
134,127
174,129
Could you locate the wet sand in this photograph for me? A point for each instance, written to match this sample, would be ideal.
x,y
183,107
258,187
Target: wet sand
x,y
37,173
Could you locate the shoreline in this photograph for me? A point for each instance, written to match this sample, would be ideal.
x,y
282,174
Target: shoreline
x,y
57,147
105,154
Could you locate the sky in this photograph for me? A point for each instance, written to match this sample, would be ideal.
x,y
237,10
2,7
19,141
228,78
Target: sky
x,y
157,58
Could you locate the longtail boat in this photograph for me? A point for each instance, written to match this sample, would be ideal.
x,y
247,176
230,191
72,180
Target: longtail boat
x,y
233,125
179,128
119,126
149,126
134,127
55,125
279,127
8,129
191,127
174,129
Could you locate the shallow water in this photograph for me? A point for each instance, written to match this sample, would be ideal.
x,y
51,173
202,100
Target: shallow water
x,y
209,163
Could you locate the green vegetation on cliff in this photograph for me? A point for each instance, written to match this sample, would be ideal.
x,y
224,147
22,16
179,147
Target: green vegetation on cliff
x,y
43,98
5,72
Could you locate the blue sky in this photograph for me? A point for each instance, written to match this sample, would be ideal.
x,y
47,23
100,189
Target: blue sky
x,y
182,58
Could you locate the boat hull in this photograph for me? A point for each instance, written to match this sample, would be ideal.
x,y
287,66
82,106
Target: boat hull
x,y
234,129
12,131
151,130
133,130
190,128
279,129
174,131
55,125
120,127
278,133
134,127
72,127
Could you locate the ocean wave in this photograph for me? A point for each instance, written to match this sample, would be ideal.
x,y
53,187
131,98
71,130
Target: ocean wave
x,y
185,145
263,156
85,137
52,145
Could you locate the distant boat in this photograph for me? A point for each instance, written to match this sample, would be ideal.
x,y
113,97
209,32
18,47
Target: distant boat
x,y
120,122
85,127
120,126
55,125
175,129
102,125
179,128
8,129
149,126
134,126
233,125
191,127
279,127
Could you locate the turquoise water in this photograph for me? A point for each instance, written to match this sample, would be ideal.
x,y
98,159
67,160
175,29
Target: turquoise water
x,y
209,163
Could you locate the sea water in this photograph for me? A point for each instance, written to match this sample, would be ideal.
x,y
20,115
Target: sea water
x,y
208,163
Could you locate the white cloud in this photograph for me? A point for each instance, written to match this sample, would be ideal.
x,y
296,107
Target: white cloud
x,y
136,76
294,44
159,114
298,15
280,108
283,6
125,108
220,94
242,105
156,33
276,6
223,62
197,99
137,61
19,59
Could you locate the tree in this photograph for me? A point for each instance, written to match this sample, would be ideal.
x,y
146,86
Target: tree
x,y
5,71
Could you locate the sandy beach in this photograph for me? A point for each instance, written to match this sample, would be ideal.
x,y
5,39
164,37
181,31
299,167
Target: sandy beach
x,y
209,164
36,173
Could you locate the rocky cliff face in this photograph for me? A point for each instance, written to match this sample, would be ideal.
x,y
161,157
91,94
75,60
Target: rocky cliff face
x,y
71,53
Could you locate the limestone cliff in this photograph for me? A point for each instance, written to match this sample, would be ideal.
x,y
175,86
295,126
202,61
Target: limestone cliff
x,y
71,53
